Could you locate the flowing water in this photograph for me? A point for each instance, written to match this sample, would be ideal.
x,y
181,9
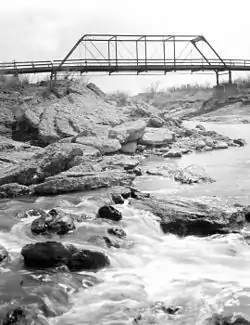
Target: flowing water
x,y
202,275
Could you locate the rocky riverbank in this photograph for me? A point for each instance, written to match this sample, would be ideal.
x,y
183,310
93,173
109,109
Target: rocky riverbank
x,y
72,138
76,140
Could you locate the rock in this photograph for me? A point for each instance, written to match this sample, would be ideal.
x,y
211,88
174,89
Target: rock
x,y
119,194
54,160
3,253
191,174
7,119
104,145
200,145
156,313
200,127
117,198
80,182
155,122
156,137
129,147
110,213
240,142
184,216
95,89
32,213
247,212
118,232
140,148
188,175
70,115
123,161
54,221
137,171
51,254
128,131
111,242
220,145
173,153
226,320
21,316
13,190
88,152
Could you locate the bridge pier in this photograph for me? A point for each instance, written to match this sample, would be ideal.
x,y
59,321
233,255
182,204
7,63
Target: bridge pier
x,y
225,90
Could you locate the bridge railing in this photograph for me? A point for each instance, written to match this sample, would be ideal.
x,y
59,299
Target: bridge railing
x,y
55,65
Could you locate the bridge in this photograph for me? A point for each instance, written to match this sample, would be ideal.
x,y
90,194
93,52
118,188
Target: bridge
x,y
134,54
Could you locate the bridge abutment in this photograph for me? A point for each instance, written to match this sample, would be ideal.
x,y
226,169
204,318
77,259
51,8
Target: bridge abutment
x,y
226,90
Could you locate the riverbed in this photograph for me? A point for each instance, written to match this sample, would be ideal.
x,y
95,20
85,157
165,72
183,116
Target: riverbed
x,y
201,275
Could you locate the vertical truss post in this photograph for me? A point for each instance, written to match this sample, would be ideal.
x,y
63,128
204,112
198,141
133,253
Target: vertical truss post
x,y
164,52
174,53
145,53
109,52
116,53
137,63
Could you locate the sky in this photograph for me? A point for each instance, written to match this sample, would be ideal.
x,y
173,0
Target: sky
x,y
45,30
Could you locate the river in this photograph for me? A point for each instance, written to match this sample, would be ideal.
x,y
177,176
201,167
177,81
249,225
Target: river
x,y
202,275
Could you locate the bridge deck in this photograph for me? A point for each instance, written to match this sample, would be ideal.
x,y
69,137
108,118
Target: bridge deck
x,y
122,65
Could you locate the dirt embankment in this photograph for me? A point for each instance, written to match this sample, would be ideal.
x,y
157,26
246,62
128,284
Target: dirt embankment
x,y
201,105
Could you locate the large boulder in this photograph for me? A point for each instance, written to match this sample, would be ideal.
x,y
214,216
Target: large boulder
x,y
52,254
13,190
55,159
22,316
76,110
15,153
156,137
83,182
184,216
103,144
128,131
55,221
110,213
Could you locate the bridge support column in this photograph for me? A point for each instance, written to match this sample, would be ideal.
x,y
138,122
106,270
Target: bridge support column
x,y
230,76
217,78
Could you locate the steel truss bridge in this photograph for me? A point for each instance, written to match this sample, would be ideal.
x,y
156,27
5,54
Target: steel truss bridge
x,y
134,54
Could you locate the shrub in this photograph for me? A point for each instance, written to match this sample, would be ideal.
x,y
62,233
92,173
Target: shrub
x,y
121,98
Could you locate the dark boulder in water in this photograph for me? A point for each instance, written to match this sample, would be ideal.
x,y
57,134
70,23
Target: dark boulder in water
x,y
3,253
110,213
21,316
111,242
51,254
226,320
119,194
184,216
53,222
118,232
240,142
